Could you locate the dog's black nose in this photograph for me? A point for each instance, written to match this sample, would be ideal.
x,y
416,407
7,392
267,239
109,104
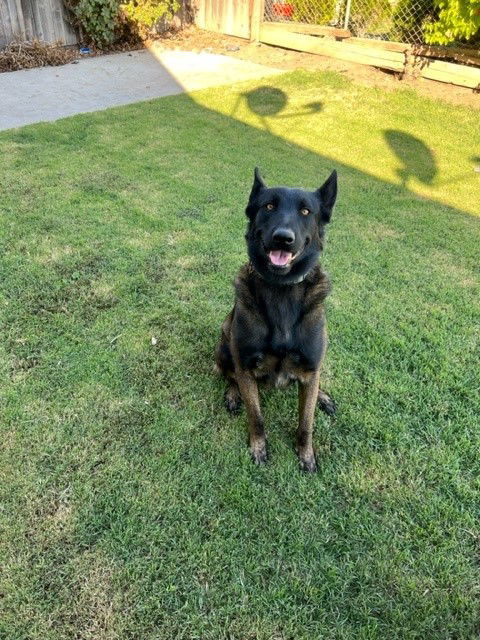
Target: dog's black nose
x,y
284,236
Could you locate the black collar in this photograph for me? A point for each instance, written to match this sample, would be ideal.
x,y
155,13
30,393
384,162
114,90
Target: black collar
x,y
281,284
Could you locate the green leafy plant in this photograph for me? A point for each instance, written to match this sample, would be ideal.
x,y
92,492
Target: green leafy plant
x,y
314,13
146,13
97,20
369,17
458,20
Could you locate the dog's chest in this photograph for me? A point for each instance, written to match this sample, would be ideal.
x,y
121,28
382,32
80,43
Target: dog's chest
x,y
281,356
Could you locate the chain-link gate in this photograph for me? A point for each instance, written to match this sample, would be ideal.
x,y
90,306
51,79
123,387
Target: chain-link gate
x,y
397,20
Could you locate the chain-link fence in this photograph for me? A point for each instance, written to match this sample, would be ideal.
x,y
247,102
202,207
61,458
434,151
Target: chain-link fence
x,y
397,20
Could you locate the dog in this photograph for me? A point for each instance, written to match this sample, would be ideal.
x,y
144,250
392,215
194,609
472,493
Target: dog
x,y
276,331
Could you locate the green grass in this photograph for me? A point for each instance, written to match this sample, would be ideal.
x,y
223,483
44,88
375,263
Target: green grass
x,y
129,505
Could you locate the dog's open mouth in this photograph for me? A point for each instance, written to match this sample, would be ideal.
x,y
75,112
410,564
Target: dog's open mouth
x,y
280,258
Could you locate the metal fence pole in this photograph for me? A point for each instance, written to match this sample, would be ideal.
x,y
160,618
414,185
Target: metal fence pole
x,y
347,14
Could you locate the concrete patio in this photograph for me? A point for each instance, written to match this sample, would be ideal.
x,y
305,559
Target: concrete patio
x,y
49,93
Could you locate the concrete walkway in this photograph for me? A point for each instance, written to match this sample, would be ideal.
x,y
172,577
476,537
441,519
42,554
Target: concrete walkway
x,y
49,93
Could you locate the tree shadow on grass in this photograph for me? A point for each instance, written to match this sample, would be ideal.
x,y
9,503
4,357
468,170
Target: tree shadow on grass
x,y
418,161
269,102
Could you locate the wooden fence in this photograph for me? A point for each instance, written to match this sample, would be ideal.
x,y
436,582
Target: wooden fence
x,y
40,19
231,17
246,19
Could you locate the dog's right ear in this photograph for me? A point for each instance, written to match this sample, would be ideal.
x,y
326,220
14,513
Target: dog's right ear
x,y
258,185
327,194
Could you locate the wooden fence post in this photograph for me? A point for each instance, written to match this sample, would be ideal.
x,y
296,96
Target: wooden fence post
x,y
256,19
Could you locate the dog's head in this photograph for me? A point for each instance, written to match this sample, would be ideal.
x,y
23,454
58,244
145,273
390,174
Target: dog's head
x,y
286,228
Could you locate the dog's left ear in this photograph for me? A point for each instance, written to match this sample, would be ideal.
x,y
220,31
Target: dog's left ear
x,y
327,194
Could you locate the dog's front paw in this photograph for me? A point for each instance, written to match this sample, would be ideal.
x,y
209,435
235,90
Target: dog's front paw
x,y
307,462
233,400
259,452
326,403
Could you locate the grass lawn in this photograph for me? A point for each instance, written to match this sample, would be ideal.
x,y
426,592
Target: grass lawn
x,y
130,508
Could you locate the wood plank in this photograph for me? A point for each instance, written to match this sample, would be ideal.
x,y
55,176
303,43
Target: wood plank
x,y
342,50
231,17
450,72
20,19
238,18
48,21
258,7
401,47
35,19
311,29
375,56
200,13
465,55
7,31
29,21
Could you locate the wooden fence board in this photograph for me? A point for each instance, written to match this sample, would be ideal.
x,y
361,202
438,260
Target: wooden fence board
x,y
10,25
311,29
224,16
450,72
462,55
35,19
375,53
343,50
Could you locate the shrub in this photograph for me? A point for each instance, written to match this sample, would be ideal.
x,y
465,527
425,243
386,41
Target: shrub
x,y
458,20
147,13
314,12
97,20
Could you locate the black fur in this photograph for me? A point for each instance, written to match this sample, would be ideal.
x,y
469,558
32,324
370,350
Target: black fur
x,y
276,331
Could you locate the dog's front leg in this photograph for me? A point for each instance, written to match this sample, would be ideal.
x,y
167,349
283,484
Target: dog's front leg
x,y
249,392
307,399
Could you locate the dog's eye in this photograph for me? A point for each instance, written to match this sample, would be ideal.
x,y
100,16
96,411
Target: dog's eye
x,y
269,206
304,211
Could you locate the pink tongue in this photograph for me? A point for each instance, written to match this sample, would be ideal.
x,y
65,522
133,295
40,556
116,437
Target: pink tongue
x,y
279,258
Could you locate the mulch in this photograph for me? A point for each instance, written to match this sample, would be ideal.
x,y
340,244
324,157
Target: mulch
x,y
26,55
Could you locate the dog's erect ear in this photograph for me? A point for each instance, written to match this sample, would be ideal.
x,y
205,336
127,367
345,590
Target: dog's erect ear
x,y
327,194
258,185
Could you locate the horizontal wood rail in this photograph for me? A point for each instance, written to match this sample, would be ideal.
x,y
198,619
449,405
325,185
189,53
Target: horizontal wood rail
x,y
395,56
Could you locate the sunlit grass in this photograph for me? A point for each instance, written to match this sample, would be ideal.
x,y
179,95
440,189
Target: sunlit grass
x,y
392,135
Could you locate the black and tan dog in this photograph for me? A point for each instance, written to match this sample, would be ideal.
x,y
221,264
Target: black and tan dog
x,y
276,331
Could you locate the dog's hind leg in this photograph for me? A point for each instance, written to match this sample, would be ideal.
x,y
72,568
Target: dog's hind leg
x,y
307,400
326,403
